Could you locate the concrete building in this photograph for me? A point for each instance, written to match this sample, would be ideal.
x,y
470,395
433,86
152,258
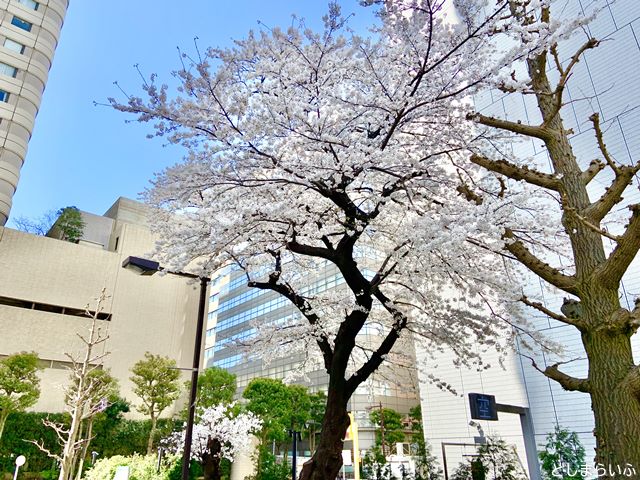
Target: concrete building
x,y
46,283
29,33
606,81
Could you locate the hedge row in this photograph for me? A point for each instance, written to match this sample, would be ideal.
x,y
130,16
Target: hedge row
x,y
113,436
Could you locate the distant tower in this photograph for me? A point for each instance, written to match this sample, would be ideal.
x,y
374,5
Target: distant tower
x,y
29,32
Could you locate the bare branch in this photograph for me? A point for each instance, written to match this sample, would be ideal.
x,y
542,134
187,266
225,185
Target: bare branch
x,y
612,270
595,119
541,308
565,73
45,450
304,307
516,172
537,266
591,226
594,168
569,383
514,127
613,194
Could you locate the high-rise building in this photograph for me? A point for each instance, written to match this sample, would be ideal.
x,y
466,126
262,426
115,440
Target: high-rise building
x,y
29,33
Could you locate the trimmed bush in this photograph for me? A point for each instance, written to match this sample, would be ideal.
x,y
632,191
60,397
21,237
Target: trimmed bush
x,y
140,467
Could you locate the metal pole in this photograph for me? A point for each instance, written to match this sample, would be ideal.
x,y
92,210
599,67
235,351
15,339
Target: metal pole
x,y
160,452
186,454
295,450
529,435
444,461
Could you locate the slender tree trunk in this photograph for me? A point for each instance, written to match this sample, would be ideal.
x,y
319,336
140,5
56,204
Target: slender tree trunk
x,y
152,433
85,448
211,460
326,461
3,421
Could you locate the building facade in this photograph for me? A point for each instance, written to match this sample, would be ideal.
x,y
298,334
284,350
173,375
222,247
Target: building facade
x,y
46,283
29,33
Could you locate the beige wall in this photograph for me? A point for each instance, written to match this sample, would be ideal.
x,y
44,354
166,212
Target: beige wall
x,y
149,313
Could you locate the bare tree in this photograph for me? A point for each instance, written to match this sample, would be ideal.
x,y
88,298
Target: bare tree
x,y
86,394
577,222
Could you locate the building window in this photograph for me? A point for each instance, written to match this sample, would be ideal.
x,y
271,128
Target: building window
x,y
32,4
23,24
4,96
12,45
8,70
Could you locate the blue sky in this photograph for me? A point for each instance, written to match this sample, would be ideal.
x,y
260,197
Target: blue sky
x,y
86,155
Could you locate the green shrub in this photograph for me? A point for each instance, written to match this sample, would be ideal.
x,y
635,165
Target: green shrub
x,y
140,467
22,427
112,437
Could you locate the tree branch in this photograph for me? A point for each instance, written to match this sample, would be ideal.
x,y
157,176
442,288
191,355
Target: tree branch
x,y
569,383
594,168
595,120
537,266
591,226
378,356
556,316
514,127
612,270
304,307
516,172
565,73
613,194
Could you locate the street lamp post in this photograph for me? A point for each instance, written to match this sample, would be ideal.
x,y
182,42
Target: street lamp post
x,y
295,435
149,267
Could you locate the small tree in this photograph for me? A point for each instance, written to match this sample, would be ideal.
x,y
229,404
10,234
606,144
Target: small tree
x,y
390,429
216,386
104,391
69,224
280,407
219,433
157,383
85,396
426,462
66,222
498,460
19,384
563,455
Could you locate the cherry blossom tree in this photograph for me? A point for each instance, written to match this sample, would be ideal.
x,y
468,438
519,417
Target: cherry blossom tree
x,y
329,150
218,434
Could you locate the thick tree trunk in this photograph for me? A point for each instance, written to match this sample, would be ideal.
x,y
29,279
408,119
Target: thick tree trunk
x,y
326,462
614,398
211,460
